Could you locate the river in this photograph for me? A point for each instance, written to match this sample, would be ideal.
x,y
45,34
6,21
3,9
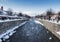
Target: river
x,y
32,32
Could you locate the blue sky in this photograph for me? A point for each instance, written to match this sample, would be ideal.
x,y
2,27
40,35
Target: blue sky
x,y
31,7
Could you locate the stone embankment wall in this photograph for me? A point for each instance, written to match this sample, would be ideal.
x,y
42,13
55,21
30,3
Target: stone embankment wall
x,y
8,25
52,27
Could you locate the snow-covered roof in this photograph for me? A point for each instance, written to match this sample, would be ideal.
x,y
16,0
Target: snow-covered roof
x,y
3,12
54,16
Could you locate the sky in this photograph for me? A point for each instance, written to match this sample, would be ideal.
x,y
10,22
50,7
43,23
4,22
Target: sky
x,y
31,7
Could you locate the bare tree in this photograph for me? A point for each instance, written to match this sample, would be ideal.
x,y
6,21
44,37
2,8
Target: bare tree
x,y
58,16
49,14
59,13
20,14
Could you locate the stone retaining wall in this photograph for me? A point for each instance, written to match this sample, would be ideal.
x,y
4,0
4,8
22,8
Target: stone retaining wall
x,y
8,25
52,27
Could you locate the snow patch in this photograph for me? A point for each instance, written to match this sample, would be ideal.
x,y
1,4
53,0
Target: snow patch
x,y
52,21
59,22
38,22
58,32
7,20
50,38
6,37
10,32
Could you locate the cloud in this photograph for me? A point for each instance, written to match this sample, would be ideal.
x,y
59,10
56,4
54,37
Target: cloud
x,y
31,13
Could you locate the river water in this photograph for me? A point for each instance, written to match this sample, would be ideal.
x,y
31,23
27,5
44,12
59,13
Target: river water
x,y
32,32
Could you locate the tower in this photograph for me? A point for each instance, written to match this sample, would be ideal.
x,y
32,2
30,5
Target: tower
x,y
2,8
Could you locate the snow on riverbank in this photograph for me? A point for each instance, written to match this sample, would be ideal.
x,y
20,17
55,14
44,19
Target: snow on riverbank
x,y
36,21
57,23
51,21
10,32
10,20
58,32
